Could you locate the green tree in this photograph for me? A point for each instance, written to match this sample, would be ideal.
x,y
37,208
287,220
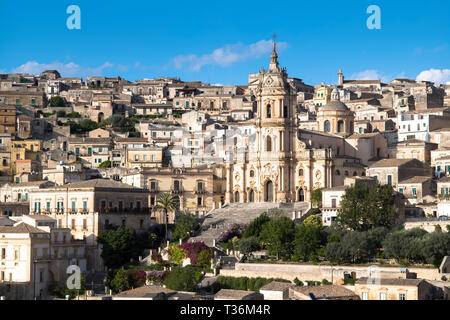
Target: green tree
x,y
248,245
166,203
184,225
365,208
183,279
126,280
105,164
405,245
308,240
278,236
57,101
435,247
204,258
255,227
119,246
316,197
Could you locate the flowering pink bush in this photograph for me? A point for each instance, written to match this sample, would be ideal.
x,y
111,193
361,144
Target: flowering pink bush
x,y
193,249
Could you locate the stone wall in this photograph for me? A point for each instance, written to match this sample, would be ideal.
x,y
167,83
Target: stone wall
x,y
318,273
427,225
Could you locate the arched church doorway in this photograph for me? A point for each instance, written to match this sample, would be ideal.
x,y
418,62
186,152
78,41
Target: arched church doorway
x,y
301,195
269,192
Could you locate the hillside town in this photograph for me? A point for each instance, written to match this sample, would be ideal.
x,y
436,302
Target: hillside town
x,y
163,189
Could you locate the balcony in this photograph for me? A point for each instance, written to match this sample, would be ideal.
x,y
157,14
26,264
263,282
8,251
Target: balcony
x,y
200,191
176,190
154,189
124,210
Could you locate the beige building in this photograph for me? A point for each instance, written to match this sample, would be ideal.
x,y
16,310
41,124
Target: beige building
x,y
391,171
415,149
417,188
393,289
34,253
196,190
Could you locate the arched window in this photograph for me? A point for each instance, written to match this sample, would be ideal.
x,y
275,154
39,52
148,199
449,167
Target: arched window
x,y
176,185
340,126
269,144
269,111
252,173
327,126
363,174
338,173
355,174
346,173
211,104
285,112
300,173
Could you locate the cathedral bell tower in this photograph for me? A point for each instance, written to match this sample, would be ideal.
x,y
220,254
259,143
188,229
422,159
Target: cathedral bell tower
x,y
275,133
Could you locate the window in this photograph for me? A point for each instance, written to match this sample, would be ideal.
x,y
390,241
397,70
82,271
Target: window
x,y
327,126
269,111
252,173
338,173
402,296
414,192
340,126
84,224
200,186
365,295
389,179
84,205
199,201
73,205
269,144
300,173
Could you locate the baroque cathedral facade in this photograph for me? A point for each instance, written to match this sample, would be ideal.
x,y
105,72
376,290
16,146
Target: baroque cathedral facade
x,y
283,163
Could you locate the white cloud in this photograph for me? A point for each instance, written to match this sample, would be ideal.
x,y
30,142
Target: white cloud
x,y
70,69
227,55
437,76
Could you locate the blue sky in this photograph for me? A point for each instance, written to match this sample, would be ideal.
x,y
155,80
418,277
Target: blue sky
x,y
224,41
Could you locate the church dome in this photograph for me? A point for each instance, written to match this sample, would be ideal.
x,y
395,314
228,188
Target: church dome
x,y
334,105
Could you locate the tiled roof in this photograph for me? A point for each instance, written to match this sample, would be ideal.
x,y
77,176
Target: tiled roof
x,y
145,291
320,292
416,179
276,286
232,294
390,163
101,184
392,281
21,228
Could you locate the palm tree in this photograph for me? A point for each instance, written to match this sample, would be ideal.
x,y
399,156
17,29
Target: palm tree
x,y
167,203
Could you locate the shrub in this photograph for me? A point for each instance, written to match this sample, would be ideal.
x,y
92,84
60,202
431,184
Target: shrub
x,y
182,279
298,282
204,258
177,254
234,230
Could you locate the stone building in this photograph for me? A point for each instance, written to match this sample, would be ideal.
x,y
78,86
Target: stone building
x,y
196,190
